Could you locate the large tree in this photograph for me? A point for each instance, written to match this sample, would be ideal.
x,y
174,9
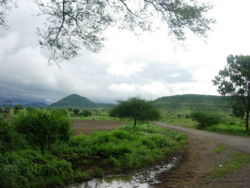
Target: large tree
x,y
234,81
71,24
137,109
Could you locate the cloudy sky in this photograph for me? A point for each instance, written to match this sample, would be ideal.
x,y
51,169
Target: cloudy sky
x,y
151,65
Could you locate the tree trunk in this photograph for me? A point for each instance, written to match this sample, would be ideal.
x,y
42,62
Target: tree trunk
x,y
134,123
247,118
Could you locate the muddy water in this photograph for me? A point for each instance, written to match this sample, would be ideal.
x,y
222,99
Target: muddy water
x,y
145,178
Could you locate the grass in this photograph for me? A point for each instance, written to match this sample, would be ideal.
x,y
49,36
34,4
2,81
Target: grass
x,y
227,128
220,149
230,125
236,160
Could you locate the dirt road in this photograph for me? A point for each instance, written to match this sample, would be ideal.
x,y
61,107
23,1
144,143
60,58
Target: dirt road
x,y
237,142
201,160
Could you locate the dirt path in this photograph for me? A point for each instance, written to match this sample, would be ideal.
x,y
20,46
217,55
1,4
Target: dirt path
x,y
201,160
237,142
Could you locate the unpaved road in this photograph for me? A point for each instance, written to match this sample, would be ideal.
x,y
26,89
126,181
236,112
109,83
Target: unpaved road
x,y
201,160
237,142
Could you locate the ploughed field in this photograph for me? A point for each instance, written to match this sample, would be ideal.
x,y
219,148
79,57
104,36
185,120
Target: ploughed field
x,y
89,126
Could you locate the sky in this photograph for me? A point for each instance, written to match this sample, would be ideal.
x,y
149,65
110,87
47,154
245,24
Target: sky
x,y
151,65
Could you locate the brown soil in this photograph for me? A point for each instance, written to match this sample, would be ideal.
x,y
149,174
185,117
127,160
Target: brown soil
x,y
89,126
200,162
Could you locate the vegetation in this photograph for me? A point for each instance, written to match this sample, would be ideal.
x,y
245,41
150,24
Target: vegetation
x,y
234,81
67,158
188,103
43,128
229,124
236,160
137,109
205,119
86,113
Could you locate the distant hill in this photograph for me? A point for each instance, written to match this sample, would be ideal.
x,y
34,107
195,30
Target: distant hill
x,y
77,101
190,102
23,101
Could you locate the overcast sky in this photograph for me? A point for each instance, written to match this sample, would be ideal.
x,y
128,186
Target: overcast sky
x,y
150,66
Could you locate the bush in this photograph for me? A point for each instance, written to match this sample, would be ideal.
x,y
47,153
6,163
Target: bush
x,y
29,168
9,138
43,128
85,113
205,119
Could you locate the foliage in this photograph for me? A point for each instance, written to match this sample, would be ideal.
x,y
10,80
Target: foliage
x,y
71,24
76,111
86,113
9,138
43,128
17,108
137,109
29,168
205,119
234,81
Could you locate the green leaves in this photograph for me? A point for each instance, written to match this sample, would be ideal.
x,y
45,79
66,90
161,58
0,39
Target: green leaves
x,y
234,81
137,109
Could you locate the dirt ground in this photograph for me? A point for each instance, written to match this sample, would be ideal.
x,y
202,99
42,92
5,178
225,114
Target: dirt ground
x,y
89,126
200,161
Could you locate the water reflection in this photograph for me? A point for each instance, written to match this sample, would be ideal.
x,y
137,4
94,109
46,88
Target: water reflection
x,y
140,179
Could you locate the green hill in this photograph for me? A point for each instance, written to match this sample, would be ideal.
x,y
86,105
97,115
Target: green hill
x,y
77,101
190,102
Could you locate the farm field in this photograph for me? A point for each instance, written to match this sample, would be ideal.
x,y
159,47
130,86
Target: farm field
x,y
89,126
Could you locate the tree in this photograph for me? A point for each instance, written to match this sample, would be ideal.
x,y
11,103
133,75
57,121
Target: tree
x,y
205,119
137,109
85,113
17,108
76,111
234,81
71,24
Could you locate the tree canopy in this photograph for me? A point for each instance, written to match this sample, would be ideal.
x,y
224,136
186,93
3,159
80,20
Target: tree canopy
x,y
234,81
71,24
137,109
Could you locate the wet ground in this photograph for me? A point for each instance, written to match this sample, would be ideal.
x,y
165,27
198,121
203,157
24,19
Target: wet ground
x,y
145,178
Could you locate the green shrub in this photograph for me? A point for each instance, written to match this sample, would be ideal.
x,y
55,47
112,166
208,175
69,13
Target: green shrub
x,y
85,113
43,128
205,119
29,168
9,138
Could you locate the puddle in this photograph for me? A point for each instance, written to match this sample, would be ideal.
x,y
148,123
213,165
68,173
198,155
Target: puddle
x,y
144,178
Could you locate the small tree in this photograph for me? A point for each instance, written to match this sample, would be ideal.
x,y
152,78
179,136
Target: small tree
x,y
76,111
43,128
234,81
205,119
86,113
17,108
137,109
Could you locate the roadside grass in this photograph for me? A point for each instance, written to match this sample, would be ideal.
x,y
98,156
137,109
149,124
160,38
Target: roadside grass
x,y
220,148
230,125
227,128
236,160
